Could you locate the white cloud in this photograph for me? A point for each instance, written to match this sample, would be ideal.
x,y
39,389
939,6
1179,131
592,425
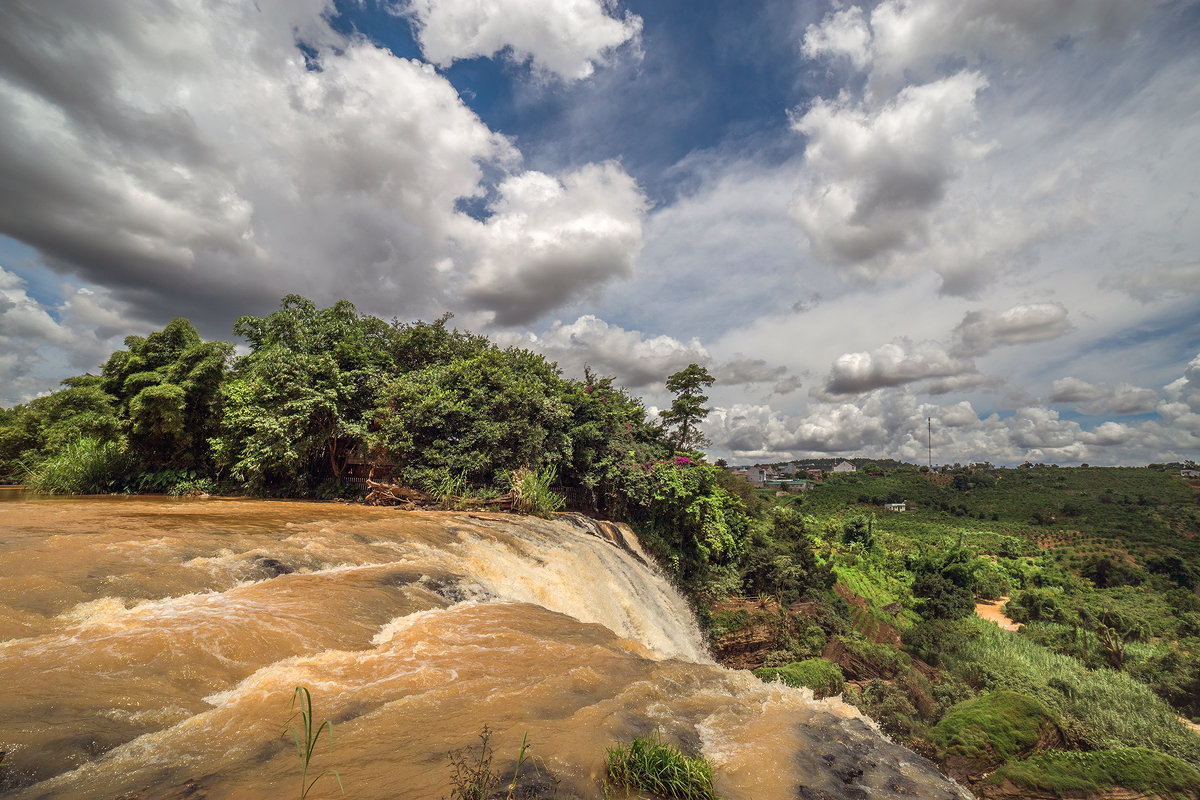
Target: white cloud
x,y
566,38
1074,390
41,345
842,33
872,178
635,360
1155,282
1090,398
194,160
550,240
893,364
981,331
913,38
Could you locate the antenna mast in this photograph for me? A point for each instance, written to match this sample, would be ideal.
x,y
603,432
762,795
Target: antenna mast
x,y
929,440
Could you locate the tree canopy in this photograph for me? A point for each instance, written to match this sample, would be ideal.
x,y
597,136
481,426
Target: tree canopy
x,y
688,411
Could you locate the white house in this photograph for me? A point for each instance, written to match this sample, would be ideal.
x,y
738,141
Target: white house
x,y
845,466
895,506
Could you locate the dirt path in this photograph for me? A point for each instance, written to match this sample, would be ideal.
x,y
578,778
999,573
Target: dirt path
x,y
990,610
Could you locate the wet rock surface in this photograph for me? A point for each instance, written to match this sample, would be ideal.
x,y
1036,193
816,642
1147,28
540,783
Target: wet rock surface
x,y
851,760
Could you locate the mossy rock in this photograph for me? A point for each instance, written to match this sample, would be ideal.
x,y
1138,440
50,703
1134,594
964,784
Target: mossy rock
x,y
1078,773
823,677
994,728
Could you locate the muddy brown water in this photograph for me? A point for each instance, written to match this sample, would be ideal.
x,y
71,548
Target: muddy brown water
x,y
149,646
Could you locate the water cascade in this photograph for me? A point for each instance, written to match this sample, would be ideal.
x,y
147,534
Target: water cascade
x,y
149,647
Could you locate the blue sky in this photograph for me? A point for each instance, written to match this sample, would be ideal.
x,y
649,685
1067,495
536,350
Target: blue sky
x,y
856,215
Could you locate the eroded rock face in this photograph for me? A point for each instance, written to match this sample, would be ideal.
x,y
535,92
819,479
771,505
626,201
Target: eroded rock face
x,y
853,761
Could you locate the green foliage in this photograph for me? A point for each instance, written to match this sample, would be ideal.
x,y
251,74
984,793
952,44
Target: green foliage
x,y
46,426
698,523
783,561
887,704
993,727
1102,708
649,764
1136,768
823,677
477,416
860,530
532,493
884,657
302,402
929,638
944,583
84,466
687,411
726,622
306,738
166,389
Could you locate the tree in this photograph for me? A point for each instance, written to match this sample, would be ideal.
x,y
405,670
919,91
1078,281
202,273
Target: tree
x,y
476,416
167,392
688,409
303,400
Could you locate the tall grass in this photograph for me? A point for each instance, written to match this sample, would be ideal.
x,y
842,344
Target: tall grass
x,y
1097,772
1112,710
85,466
306,736
531,493
649,764
448,489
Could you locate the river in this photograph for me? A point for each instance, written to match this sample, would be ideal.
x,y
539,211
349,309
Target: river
x,y
149,647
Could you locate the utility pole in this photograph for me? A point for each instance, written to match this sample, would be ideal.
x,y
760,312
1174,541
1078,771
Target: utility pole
x,y
929,440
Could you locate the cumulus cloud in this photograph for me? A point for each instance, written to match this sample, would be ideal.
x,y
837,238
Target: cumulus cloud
x,y
635,360
1074,390
566,39
189,156
894,425
760,432
872,177
842,33
893,364
39,344
912,38
549,240
981,331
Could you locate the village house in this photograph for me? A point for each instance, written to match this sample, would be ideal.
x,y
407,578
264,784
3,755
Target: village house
x,y
845,466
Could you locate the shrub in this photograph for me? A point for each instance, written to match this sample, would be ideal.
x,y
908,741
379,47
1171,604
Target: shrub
x,y
84,466
193,486
823,677
726,622
532,494
995,727
930,638
472,773
888,705
652,765
1100,771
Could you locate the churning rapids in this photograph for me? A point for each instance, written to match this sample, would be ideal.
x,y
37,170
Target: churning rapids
x,y
150,647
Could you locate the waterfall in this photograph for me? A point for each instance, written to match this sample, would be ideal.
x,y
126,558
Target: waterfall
x,y
149,648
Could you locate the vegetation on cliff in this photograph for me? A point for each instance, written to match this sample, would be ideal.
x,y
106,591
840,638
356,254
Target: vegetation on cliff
x,y
1100,565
